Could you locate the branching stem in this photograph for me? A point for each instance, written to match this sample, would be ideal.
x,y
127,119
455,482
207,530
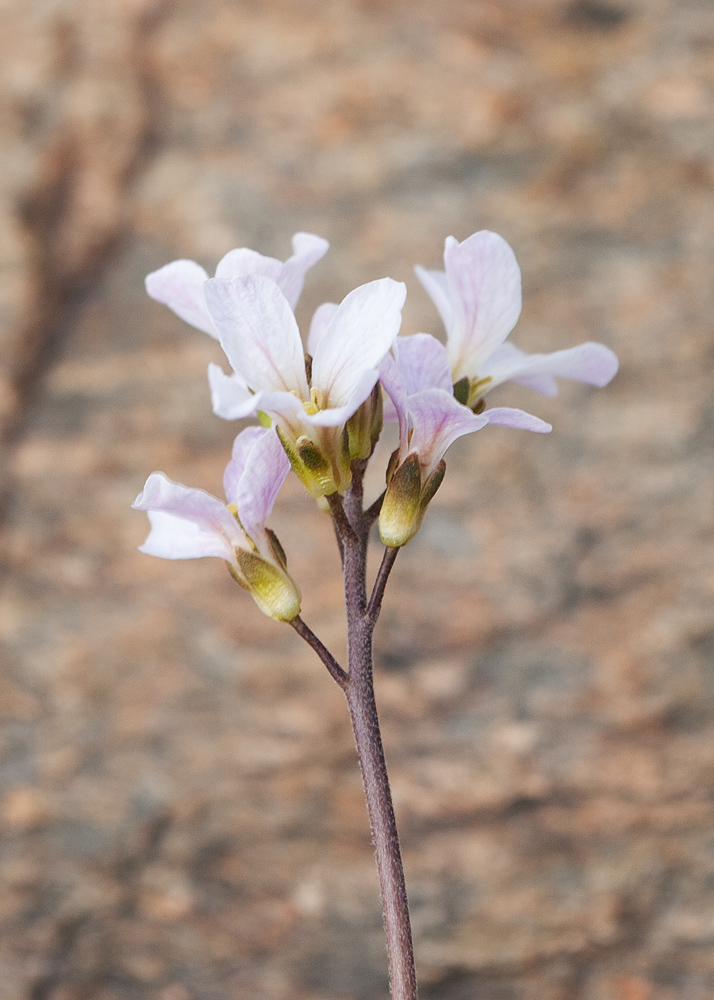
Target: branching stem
x,y
352,525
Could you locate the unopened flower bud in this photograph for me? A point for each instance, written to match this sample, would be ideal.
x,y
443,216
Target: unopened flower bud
x,y
365,426
406,501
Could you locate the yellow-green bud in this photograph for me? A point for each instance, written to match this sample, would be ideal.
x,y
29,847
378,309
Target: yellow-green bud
x,y
406,500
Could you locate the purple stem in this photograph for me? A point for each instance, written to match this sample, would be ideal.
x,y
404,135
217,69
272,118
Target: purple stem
x,y
352,525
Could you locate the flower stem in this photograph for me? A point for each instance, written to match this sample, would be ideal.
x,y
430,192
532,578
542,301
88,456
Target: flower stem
x,y
353,526
365,724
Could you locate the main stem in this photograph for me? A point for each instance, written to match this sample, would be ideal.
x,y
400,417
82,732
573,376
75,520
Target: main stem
x,y
359,691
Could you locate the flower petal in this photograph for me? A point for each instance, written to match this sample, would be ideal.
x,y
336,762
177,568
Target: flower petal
x,y
506,416
437,287
190,523
264,472
245,261
258,332
592,363
242,445
230,396
307,250
333,416
395,385
485,285
438,420
179,286
359,335
319,323
424,363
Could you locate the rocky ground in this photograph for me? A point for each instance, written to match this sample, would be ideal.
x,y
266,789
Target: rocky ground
x,y
181,810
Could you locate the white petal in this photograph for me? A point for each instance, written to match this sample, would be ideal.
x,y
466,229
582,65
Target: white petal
x,y
266,466
207,516
230,396
319,323
485,286
245,261
258,332
357,338
436,285
307,250
438,420
592,363
242,446
336,415
506,416
179,286
176,538
423,362
395,385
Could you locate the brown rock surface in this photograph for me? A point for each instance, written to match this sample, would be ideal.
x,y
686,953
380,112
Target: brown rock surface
x,y
181,811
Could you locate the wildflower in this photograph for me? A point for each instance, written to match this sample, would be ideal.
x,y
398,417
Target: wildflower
x,y
189,523
311,408
479,299
179,285
418,382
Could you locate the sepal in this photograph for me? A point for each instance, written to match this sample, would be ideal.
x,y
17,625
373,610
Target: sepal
x,y
272,589
406,501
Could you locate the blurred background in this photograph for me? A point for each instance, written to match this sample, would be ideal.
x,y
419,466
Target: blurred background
x,y
180,805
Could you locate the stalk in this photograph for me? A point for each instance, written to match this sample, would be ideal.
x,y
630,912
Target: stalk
x,y
352,526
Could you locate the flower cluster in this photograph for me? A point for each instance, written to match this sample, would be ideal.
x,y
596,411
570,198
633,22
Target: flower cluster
x,y
321,407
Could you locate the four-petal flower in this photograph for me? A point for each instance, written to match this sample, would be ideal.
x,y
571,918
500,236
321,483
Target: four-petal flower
x,y
478,296
188,523
260,337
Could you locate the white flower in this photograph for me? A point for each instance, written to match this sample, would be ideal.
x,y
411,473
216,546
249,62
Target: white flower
x,y
478,296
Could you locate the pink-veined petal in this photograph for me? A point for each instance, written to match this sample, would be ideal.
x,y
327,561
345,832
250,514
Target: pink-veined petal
x,y
395,386
592,363
307,250
179,285
423,362
506,416
319,323
437,288
438,420
212,531
264,472
230,397
359,335
245,261
258,332
485,285
242,445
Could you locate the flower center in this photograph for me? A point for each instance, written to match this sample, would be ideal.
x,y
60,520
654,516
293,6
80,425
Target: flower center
x,y
317,401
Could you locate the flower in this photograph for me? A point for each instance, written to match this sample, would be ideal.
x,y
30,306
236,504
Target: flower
x,y
179,285
418,382
189,523
258,332
479,299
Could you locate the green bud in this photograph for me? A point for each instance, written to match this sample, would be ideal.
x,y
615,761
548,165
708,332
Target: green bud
x,y
365,426
406,500
399,519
